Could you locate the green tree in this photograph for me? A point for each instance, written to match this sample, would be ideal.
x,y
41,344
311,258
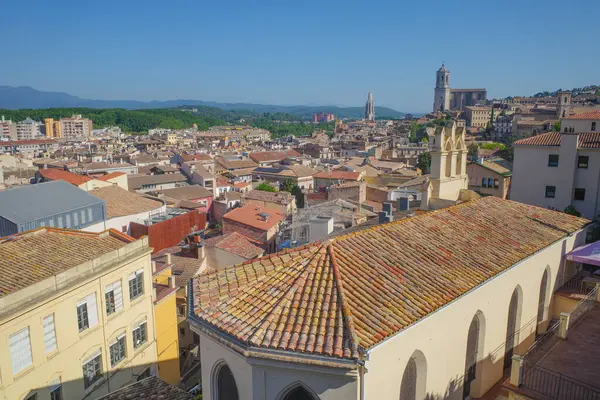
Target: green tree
x,y
556,126
287,185
571,210
473,151
424,162
265,187
297,192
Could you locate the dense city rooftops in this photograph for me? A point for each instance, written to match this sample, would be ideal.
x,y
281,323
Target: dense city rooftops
x,y
587,140
121,202
254,216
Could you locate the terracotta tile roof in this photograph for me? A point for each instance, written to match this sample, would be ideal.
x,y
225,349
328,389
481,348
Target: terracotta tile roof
x,y
185,265
151,388
236,164
249,215
55,174
494,167
237,244
190,192
163,291
196,157
595,114
121,202
587,140
136,182
283,198
33,256
110,176
337,174
345,296
273,156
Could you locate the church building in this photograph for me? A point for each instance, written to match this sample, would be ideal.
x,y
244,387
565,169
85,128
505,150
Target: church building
x,y
446,98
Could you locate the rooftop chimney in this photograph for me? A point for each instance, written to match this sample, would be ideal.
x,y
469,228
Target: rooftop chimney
x,y
168,258
171,282
153,266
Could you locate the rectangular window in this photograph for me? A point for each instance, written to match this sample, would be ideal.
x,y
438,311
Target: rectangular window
x,y
182,331
181,310
90,216
92,370
579,194
490,183
550,191
553,160
87,312
139,335
484,182
56,390
117,350
82,217
136,284
113,296
75,219
593,126
582,161
49,333
496,184
20,350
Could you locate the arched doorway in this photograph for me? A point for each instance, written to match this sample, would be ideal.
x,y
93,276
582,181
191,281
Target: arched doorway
x,y
412,386
512,326
298,393
474,350
224,383
542,303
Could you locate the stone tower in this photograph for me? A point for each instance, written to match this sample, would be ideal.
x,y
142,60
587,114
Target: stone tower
x,y
563,104
370,108
441,101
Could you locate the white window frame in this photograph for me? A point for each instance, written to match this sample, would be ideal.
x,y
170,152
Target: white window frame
x,y
92,311
135,328
134,276
21,358
96,354
50,342
117,294
114,342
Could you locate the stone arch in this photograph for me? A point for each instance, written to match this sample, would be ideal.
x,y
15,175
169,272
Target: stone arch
x,y
543,301
474,352
297,391
224,386
414,377
449,149
513,325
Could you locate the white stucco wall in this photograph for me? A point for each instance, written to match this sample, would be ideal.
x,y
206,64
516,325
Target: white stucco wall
x,y
579,125
118,222
442,336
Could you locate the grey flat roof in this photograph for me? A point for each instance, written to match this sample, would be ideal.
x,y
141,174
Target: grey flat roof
x,y
32,202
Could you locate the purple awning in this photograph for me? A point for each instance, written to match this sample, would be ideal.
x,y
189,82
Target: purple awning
x,y
588,254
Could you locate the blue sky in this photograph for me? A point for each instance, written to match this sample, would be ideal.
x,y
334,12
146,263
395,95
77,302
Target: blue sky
x,y
298,52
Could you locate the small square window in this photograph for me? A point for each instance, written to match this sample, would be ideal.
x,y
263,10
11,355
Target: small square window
x,y
582,161
550,191
553,160
579,194
182,331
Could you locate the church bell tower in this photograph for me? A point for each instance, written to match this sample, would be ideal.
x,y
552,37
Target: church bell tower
x,y
441,101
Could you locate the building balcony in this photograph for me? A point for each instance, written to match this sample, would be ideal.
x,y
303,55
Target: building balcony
x,y
554,368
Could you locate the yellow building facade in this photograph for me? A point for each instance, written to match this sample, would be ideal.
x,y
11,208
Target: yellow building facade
x,y
165,313
76,316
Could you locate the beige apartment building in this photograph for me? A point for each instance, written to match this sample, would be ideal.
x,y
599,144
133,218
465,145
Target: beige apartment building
x,y
556,170
76,127
53,129
478,116
76,314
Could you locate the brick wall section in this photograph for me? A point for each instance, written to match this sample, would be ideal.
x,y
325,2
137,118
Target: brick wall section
x,y
376,194
170,232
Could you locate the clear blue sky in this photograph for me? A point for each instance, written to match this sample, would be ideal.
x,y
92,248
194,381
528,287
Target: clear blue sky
x,y
298,52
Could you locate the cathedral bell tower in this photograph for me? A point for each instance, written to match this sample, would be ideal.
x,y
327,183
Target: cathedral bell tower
x,y
441,101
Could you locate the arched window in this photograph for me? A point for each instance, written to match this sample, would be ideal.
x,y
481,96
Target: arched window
x,y
565,129
512,326
563,114
412,386
542,306
298,393
224,383
474,350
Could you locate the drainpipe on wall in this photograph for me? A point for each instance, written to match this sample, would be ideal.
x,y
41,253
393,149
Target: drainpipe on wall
x,y
361,371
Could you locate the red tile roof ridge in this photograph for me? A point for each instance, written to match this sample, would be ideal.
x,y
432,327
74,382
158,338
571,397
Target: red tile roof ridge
x,y
346,310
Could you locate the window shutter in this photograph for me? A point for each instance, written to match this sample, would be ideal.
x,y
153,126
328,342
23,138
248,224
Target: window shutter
x,y
49,333
20,350
92,309
118,295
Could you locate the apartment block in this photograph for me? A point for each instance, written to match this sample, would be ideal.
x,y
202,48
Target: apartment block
x,y
8,129
28,129
478,116
53,129
76,314
76,127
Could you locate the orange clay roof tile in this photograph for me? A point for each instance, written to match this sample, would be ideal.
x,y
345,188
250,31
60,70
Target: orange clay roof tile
x,y
340,298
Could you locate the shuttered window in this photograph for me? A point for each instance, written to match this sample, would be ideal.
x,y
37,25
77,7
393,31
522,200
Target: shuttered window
x,y
20,350
87,312
113,295
136,284
49,333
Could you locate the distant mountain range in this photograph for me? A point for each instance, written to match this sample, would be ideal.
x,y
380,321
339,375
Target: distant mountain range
x,y
24,97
